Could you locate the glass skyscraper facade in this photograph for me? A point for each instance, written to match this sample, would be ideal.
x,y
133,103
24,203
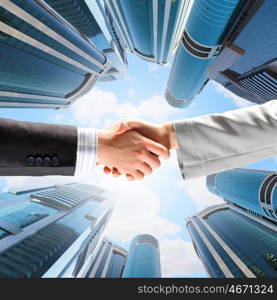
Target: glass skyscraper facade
x,y
52,231
108,262
53,52
94,20
253,190
201,42
143,258
252,73
151,29
234,244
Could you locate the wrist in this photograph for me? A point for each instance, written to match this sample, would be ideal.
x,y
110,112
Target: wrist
x,y
102,141
170,133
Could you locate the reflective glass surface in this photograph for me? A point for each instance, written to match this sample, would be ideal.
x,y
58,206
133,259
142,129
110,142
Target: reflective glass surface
x,y
30,69
258,38
139,18
33,256
174,19
3,233
78,14
103,261
143,258
116,265
222,253
25,214
250,240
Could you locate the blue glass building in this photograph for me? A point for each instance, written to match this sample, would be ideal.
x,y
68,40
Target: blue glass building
x,y
52,231
108,262
53,52
151,29
201,42
233,243
253,190
247,65
143,258
93,19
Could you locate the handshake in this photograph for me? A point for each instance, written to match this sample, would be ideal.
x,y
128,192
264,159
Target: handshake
x,y
133,147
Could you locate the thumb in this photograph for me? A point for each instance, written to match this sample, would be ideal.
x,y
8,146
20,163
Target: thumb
x,y
121,127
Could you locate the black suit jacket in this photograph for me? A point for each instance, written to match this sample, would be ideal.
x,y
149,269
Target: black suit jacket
x,y
36,149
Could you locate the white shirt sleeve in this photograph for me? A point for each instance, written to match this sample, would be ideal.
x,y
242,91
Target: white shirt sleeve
x,y
87,148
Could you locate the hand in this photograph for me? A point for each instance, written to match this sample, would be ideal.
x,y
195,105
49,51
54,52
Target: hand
x,y
163,134
129,151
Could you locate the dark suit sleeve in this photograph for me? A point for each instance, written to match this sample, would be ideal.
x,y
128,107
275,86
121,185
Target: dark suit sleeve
x,y
36,149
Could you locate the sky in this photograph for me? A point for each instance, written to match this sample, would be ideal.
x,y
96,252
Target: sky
x,y
160,204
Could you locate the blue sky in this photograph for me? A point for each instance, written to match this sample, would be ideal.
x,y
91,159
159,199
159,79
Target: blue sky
x,y
159,204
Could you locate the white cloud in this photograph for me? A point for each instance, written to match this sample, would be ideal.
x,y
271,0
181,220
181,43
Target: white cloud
x,y
22,182
136,212
131,93
99,105
136,208
238,101
152,67
197,191
179,259
58,118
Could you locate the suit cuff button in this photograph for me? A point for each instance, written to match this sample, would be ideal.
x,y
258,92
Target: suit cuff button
x,y
30,161
55,161
38,161
47,161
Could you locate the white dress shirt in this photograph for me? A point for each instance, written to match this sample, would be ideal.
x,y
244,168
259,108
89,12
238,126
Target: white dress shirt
x,y
87,149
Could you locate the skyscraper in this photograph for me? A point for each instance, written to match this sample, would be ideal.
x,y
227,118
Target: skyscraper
x,y
248,64
233,243
231,42
201,42
108,262
151,29
93,19
51,231
143,258
49,57
253,190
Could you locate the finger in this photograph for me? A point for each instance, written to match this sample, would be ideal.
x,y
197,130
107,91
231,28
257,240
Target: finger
x,y
138,175
145,168
130,177
116,173
107,170
121,127
152,160
157,148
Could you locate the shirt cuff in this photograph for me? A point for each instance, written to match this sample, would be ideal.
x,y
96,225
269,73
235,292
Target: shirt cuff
x,y
87,148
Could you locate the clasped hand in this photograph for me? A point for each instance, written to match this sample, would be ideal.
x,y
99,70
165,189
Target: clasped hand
x,y
134,147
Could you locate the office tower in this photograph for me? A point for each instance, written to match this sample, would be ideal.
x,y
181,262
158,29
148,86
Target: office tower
x,y
252,190
201,42
92,18
151,29
247,66
51,231
143,258
53,52
108,262
233,243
